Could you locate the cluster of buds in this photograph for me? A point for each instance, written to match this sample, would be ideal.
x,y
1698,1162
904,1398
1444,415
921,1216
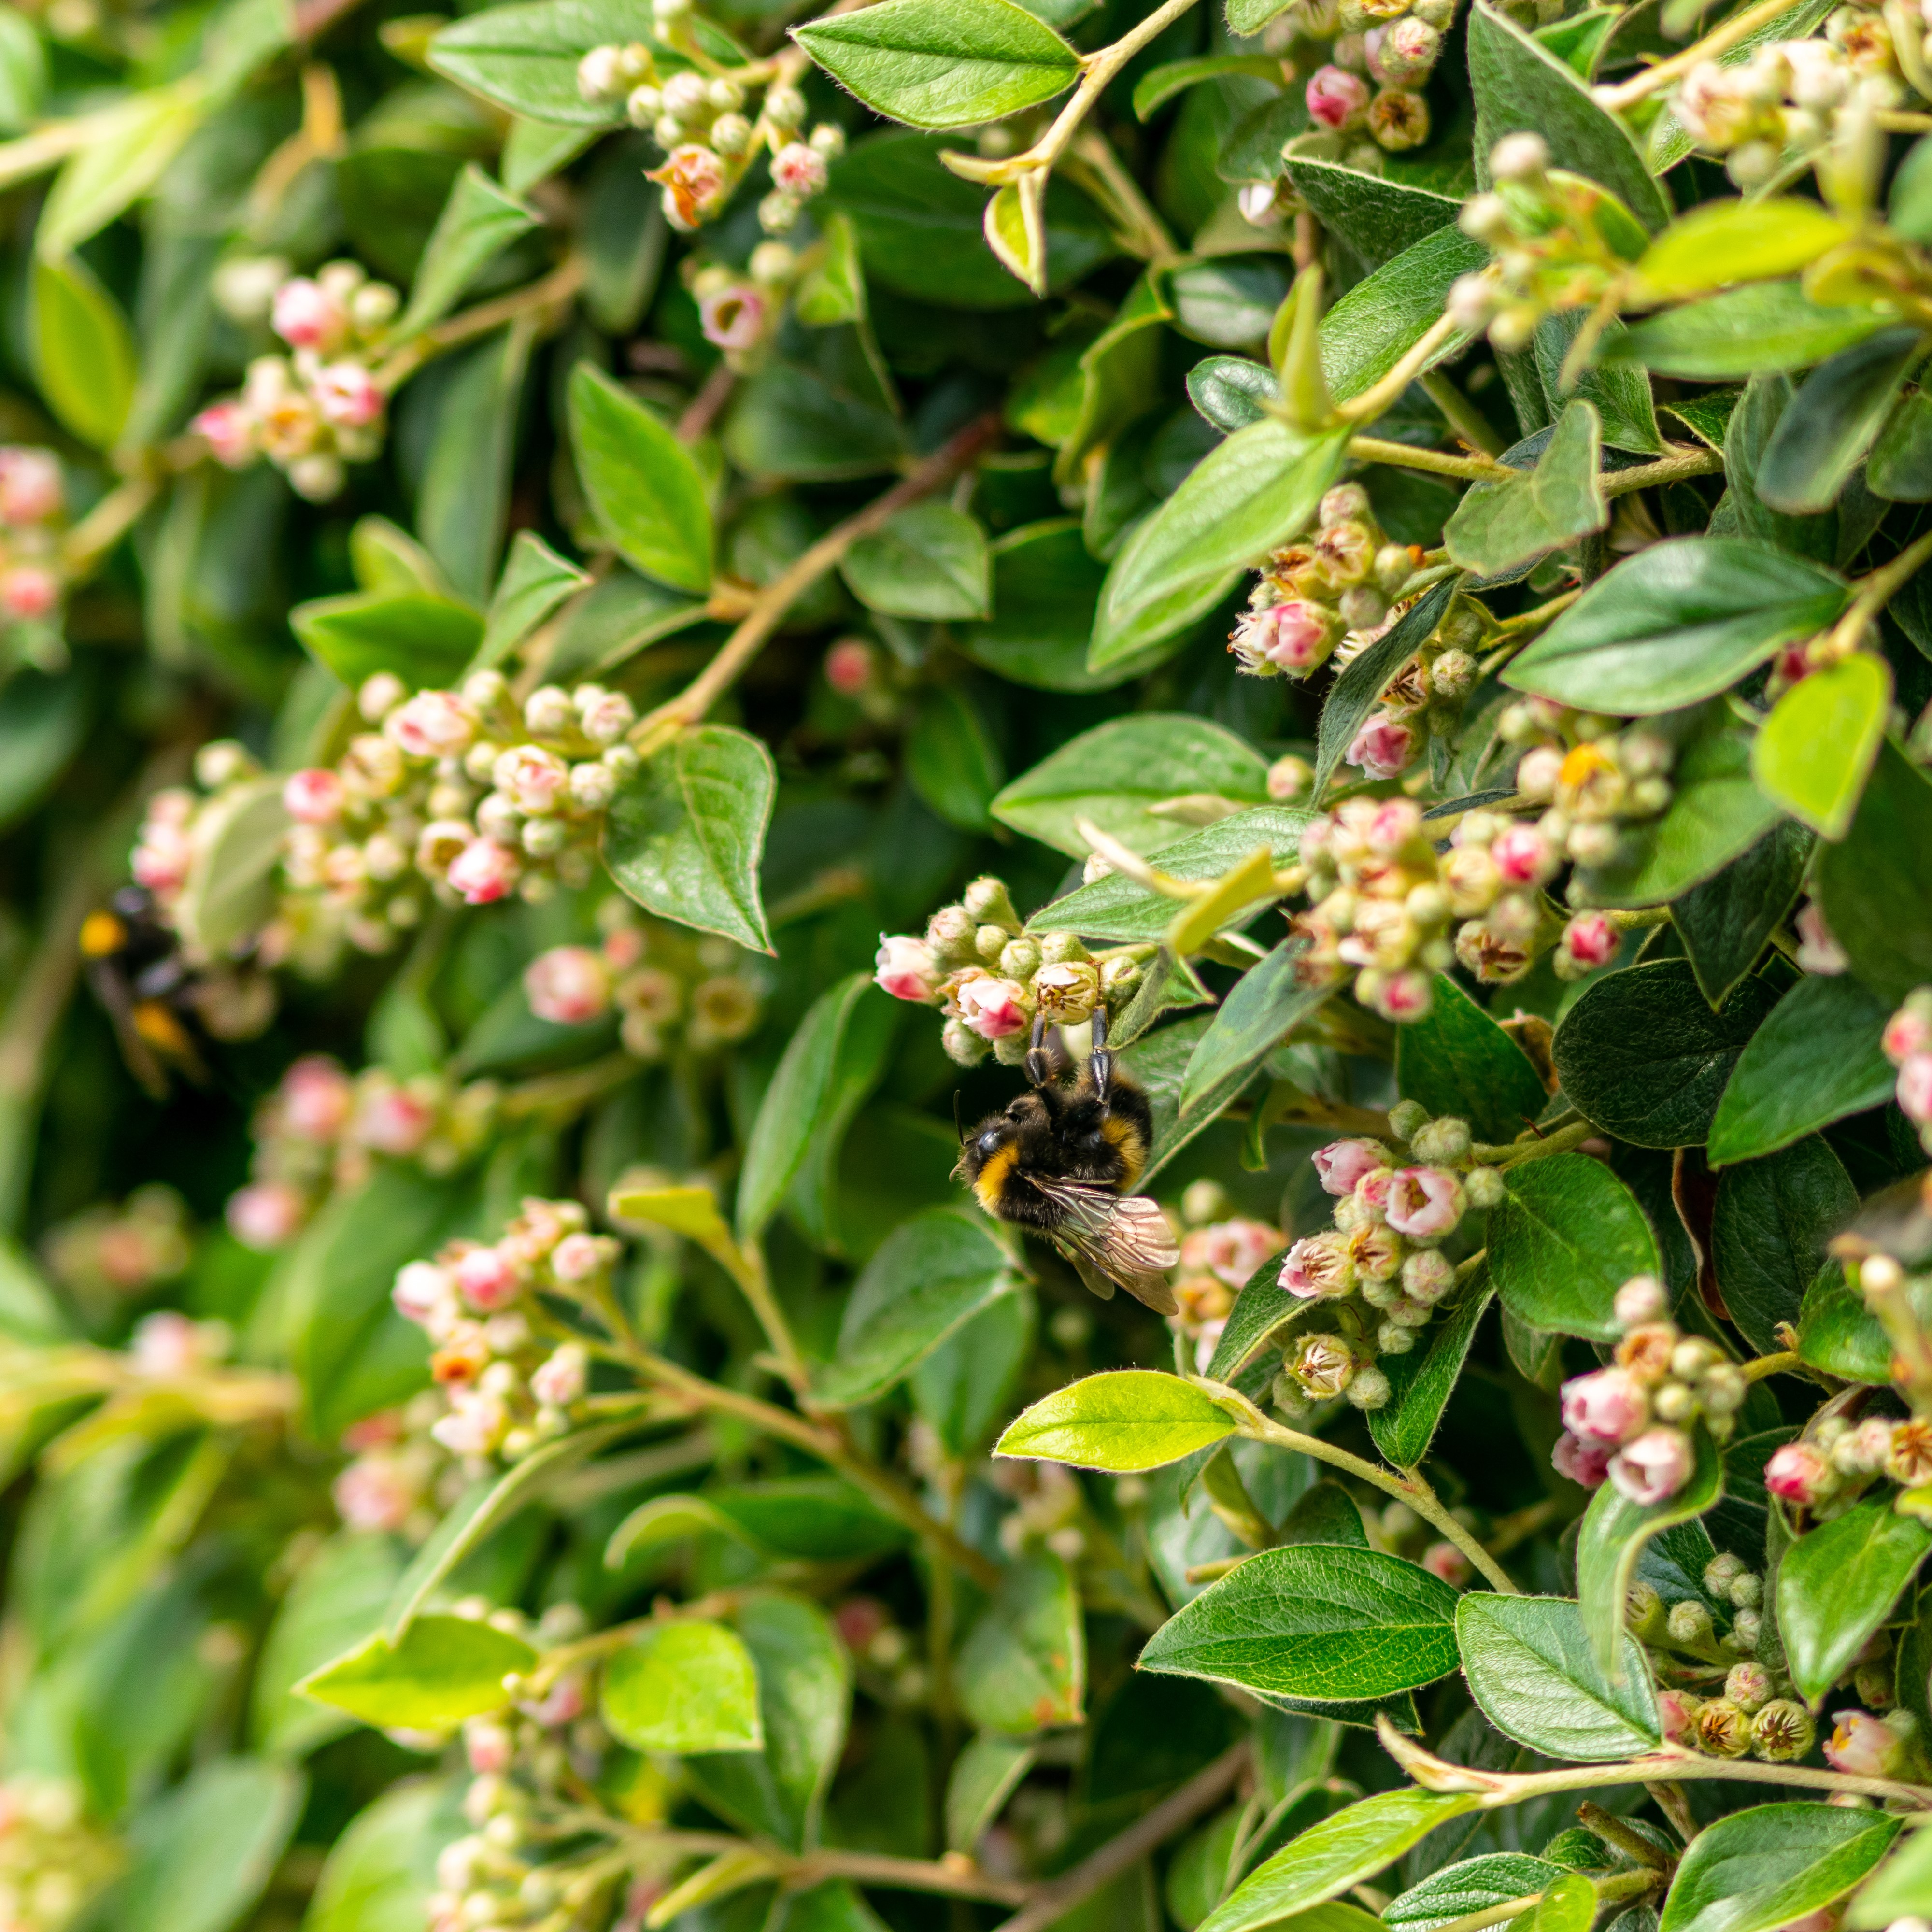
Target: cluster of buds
x,y
1821,99
106,1254
1218,1252
1377,67
991,976
739,310
33,508
1907,1040
320,406
1049,1509
1424,698
525,1765
1342,581
1495,872
710,139
675,991
510,1374
399,1479
1380,1271
1554,238
1631,1422
1592,778
1753,1715
1832,1464
52,1860
322,1128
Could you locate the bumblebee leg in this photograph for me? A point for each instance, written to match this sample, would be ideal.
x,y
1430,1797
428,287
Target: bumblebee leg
x,y
1039,1060
1101,1064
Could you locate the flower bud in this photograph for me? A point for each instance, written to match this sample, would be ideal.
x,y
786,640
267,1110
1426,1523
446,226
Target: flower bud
x,y
1782,1732
1442,1142
1722,1729
1656,1465
1748,1686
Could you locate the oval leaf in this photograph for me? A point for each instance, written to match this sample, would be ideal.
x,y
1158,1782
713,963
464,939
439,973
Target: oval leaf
x,y
1128,1419
684,1687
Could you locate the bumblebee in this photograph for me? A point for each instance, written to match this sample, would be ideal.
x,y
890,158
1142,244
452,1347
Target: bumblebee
x,y
1060,1160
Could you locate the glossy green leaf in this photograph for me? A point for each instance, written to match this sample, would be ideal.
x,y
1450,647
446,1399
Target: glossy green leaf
x,y
1421,1382
1498,526
1159,85
943,63
338,1596
1773,1216
201,1858
1832,421
684,1687
427,641
464,500
1472,1885
1680,621
1772,326
380,1872
1366,675
1378,217
962,1389
1837,1333
1126,1419
951,761
1265,1005
1876,886
686,833
1568,1235
985,1775
642,482
1456,1060
1532,1670
1812,754
1838,1582
1772,1864
130,151
479,220
1725,923
1023,1666
1260,1309
1044,588
83,353
1372,327
445,1669
1737,240
536,581
930,561
1642,1054
1900,468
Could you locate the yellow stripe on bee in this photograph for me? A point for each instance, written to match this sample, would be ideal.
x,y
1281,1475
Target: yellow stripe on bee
x,y
1127,1140
100,933
991,1177
159,1028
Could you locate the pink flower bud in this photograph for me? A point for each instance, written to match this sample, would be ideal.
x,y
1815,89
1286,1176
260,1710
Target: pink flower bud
x,y
315,1100
1232,1250
1523,855
1391,824
488,1279
1591,940
31,490
313,797
1818,951
1425,1202
228,430
1317,1266
489,1747
266,1214
29,590
568,985
577,1257
373,1495
346,396
1640,1300
1800,1473
1402,996
1445,1561
422,1292
306,315
391,1121
733,318
799,170
432,724
1657,1464
1914,1087
1341,1164
162,860
1677,1712
1607,1407
993,1008
483,871
1337,99
1861,1746
851,666
534,779
1586,1463
1295,637
1908,1031
904,967
474,1427
1382,748
560,1381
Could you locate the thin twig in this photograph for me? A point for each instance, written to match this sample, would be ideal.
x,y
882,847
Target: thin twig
x,y
1438,462
1680,463
1719,40
552,292
1380,395
908,1875
702,411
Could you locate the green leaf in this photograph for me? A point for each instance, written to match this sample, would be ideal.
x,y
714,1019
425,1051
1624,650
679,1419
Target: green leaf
x,y
686,833
1774,327
1366,675
338,1596
684,1686
1114,773
1530,1669
230,893
929,561
1045,587
1611,1541
1265,1005
1372,327
1314,1620
1771,1220
1421,1382
1902,1888
23,74
1023,1666
943,63
833,289
1378,218
1725,922
1680,621
985,1775
426,641
1773,1865
535,581
1159,85
1831,422
931,1276
1333,1857
1736,240
1643,1056
1125,1419
1876,886
1117,375
1231,391
1247,496
643,483
1812,754
1520,84
82,351
478,223
1498,526
1837,1333
444,1669
129,151
1568,1235
1837,1583
201,1856
1474,1885
465,497
1815,1059
1228,305
533,151
380,1872
1456,1060
1899,467
1620,394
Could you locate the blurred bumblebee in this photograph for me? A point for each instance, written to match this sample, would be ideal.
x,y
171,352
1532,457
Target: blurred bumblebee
x,y
160,1005
1060,1160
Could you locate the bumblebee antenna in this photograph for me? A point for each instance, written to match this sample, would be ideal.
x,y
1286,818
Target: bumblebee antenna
x,y
958,1119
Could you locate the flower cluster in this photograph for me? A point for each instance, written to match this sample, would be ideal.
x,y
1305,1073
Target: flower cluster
x,y
1218,1252
1379,1272
510,1373
710,141
399,1479
322,1128
1343,580
105,1253
1746,1718
1907,1040
991,976
1377,59
673,989
1555,239
1495,872
738,309
52,1860
33,507
1592,778
1831,1465
320,406
1631,1422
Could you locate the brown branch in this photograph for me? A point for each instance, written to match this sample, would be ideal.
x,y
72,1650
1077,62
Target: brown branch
x,y
702,411
908,1875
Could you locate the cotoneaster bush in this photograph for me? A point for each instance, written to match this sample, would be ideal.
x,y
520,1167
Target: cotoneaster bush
x,y
611,613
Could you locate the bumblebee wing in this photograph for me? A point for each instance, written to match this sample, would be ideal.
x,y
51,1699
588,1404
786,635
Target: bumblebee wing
x,y
1123,1238
117,1001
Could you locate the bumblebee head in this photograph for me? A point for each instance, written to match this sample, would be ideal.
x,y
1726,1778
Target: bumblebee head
x,y
1001,1138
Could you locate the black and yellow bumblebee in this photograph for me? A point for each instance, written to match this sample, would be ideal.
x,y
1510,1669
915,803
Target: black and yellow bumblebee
x,y
1060,1159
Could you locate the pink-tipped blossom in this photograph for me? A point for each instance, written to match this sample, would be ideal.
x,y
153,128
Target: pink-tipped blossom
x,y
1653,1466
315,1100
29,590
1383,747
1425,1203
1391,824
1800,1473
391,1120
474,1426
313,797
487,1278
1444,1560
1608,1407
560,1381
1230,1250
1341,1164
693,179
905,968
31,490
733,318
1908,1031
1337,99
799,170
568,985
483,871
162,860
1677,1712
166,1343
1585,1463
306,315
374,1494
1296,637
1319,1266
1818,950
265,1215
432,724
577,1257
1591,940
1914,1087
229,430
1640,1300
1405,996
1523,855
535,779
422,1292
851,667
346,395
1862,1746
488,1747
993,1008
